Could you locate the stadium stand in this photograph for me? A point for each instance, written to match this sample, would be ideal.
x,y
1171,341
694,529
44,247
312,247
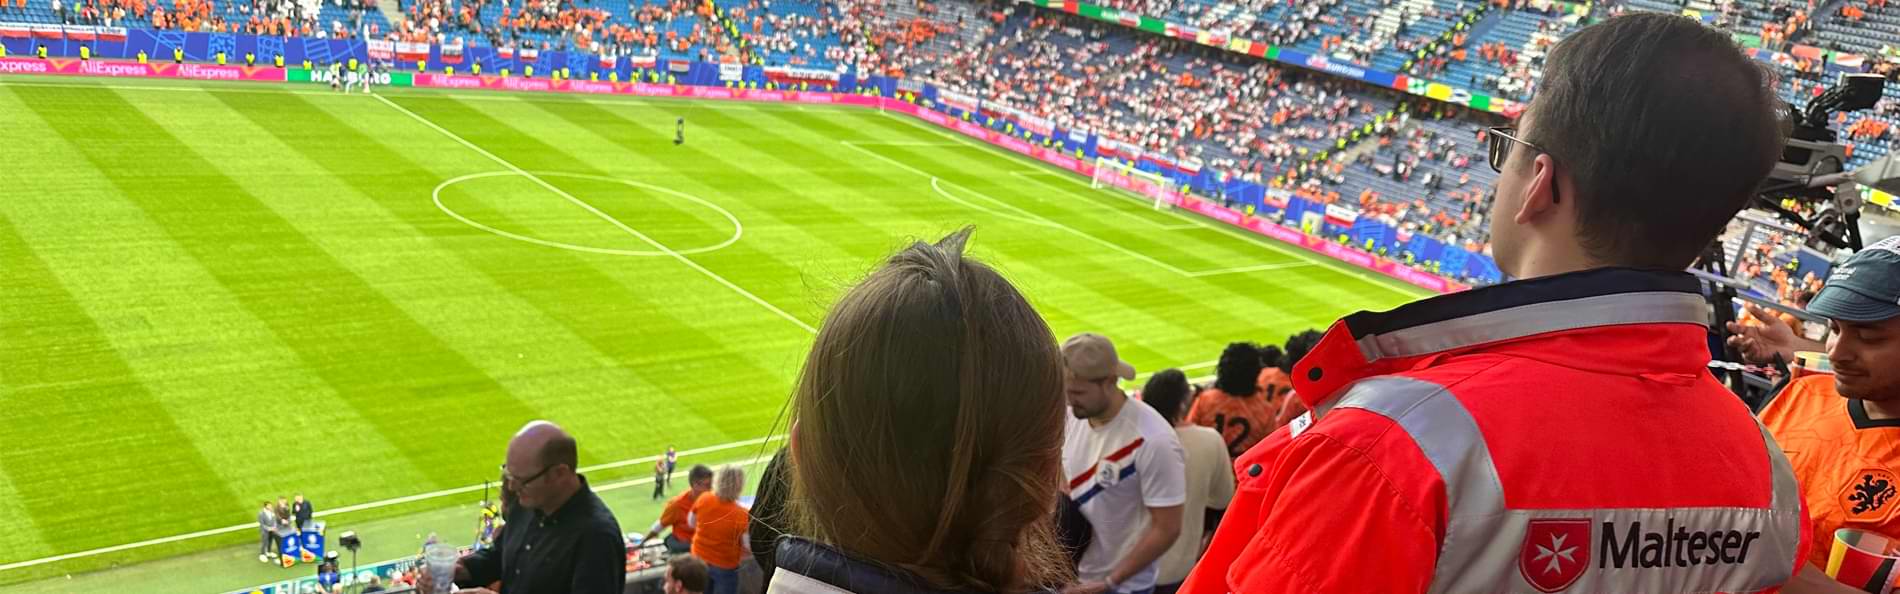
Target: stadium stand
x,y
309,18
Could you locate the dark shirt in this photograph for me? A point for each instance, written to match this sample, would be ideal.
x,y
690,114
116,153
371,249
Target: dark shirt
x,y
577,550
767,506
302,511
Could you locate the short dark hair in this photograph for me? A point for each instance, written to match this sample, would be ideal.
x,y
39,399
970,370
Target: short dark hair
x,y
1666,129
1165,391
700,472
561,449
1238,373
1271,356
1297,346
690,572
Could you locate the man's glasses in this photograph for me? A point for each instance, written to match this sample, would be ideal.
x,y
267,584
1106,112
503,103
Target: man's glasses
x,y
1501,137
506,477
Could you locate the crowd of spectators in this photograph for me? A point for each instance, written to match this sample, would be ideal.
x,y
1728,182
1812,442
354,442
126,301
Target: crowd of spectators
x,y
254,17
1162,95
788,38
563,25
1246,118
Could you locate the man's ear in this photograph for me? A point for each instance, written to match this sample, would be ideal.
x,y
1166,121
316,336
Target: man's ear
x,y
1541,194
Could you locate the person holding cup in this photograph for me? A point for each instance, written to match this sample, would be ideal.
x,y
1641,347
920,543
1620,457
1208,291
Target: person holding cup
x,y
561,539
1841,430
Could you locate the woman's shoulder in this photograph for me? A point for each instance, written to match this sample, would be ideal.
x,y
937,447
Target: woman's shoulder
x,y
810,567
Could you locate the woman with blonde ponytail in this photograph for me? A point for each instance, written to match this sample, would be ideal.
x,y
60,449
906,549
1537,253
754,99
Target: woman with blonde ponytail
x,y
926,438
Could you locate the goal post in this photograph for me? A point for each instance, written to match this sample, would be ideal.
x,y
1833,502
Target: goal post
x,y
1110,173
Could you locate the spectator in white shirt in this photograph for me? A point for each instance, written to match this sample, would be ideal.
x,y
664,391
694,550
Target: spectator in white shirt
x,y
1125,470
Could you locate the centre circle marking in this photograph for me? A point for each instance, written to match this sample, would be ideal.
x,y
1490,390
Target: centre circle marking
x,y
737,229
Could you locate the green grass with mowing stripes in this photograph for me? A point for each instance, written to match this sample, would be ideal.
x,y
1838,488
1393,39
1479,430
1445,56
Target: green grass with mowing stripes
x,y
215,294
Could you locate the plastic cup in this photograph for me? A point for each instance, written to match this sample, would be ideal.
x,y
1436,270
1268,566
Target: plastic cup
x,y
1864,560
1813,361
441,559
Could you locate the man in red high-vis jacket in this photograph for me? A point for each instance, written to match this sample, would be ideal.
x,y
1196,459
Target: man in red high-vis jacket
x,y
1560,433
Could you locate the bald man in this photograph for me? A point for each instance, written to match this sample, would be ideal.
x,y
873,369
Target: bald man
x,y
560,539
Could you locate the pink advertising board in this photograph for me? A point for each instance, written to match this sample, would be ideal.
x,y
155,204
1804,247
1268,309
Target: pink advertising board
x,y
638,89
119,69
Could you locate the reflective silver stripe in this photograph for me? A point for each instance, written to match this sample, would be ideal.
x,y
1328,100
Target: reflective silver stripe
x,y
1484,541
1537,318
1455,447
1787,490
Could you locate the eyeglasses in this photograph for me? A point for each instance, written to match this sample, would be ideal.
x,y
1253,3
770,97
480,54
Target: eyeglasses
x,y
506,477
1500,152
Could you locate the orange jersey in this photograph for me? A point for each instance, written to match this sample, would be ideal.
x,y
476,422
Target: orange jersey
x,y
1241,422
720,531
1275,384
1847,464
675,516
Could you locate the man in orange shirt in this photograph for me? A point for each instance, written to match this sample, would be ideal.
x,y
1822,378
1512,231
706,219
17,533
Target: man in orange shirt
x,y
679,510
1841,431
1236,406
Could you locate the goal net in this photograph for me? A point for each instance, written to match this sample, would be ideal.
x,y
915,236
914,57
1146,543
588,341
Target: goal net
x,y
1150,187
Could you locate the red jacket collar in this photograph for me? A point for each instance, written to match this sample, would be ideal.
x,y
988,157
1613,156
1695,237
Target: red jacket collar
x,y
1661,317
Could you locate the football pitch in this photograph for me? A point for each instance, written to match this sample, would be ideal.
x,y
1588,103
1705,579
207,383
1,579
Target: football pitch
x,y
215,294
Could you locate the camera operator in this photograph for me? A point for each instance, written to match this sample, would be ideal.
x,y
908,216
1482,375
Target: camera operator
x,y
1841,431
329,577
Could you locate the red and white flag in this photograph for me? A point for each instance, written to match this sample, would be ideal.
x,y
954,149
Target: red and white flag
x,y
452,53
1340,216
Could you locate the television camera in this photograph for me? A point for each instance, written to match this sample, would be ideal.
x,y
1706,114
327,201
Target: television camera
x,y
1812,175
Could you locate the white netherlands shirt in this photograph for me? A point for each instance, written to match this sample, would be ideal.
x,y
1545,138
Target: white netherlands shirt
x,y
1115,472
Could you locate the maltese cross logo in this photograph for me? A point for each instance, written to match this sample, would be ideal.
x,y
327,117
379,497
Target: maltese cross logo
x,y
1556,553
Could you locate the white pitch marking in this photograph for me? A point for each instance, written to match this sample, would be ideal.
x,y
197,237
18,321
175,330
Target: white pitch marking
x,y
937,183
1115,208
1256,268
1266,242
616,222
366,506
442,493
738,230
1033,219
903,143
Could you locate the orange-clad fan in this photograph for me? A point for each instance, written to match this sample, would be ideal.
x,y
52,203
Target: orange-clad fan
x,y
1559,433
1236,406
679,510
1841,430
1276,379
720,527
